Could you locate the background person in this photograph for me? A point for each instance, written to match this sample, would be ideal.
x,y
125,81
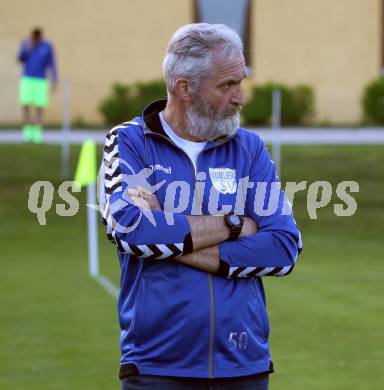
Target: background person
x,y
38,58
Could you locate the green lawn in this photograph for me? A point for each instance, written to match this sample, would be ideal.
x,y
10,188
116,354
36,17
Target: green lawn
x,y
59,329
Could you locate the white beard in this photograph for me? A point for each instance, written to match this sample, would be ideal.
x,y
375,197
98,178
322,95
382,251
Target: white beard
x,y
204,121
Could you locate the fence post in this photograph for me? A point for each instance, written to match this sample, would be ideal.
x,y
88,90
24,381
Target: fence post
x,y
276,128
65,131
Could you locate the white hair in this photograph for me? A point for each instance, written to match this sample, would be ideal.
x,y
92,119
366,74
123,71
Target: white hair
x,y
190,52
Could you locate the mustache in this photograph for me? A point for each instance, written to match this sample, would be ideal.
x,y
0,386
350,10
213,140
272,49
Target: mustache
x,y
233,110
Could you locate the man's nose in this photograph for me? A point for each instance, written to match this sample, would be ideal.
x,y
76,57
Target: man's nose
x,y
237,98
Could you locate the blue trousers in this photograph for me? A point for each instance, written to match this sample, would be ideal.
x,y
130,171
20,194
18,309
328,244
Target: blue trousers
x,y
152,382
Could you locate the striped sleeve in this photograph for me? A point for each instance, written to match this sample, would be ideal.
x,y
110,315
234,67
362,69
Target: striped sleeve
x,y
239,272
143,234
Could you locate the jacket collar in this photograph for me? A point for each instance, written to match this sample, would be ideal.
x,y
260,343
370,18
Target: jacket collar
x,y
152,123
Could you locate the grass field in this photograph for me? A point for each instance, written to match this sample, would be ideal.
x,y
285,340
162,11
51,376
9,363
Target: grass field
x,y
59,329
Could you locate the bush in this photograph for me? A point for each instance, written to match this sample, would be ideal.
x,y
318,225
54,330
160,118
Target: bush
x,y
127,102
373,102
297,104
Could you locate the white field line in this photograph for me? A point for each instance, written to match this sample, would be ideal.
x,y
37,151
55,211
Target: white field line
x,y
110,287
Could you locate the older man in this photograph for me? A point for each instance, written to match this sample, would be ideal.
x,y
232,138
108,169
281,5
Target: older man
x,y
195,209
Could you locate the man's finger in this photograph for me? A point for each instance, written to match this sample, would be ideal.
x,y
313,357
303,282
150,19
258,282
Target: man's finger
x,y
140,202
144,190
133,191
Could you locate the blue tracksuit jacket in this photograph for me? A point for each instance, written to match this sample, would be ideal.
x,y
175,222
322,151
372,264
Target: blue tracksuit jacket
x,y
176,320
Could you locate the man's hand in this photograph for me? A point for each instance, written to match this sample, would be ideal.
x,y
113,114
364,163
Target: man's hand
x,y
249,227
144,199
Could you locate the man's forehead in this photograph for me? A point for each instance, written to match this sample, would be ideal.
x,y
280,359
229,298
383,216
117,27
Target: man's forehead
x,y
230,67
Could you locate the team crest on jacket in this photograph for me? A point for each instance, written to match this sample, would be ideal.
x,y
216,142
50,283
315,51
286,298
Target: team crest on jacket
x,y
223,179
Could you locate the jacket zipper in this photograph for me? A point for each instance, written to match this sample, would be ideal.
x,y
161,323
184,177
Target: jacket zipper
x,y
210,281
211,296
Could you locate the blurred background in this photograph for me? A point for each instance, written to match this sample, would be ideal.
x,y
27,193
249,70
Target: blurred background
x,y
58,326
334,48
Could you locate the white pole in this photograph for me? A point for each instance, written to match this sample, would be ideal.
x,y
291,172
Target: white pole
x,y
66,128
276,127
93,242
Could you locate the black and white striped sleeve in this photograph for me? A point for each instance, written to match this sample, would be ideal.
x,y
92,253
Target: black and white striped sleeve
x,y
239,272
134,232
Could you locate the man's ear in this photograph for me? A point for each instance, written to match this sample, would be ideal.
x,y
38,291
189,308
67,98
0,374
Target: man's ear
x,y
182,89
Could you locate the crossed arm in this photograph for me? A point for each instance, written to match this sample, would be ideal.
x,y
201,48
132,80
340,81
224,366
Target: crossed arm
x,y
213,229
207,232
269,249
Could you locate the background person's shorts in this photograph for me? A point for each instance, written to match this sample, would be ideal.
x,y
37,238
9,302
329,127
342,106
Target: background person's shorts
x,y
34,91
